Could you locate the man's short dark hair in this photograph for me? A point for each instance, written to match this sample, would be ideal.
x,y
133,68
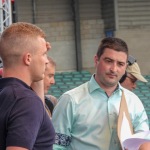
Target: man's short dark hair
x,y
116,44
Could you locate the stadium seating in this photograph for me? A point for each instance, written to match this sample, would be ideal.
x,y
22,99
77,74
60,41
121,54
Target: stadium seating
x,y
68,80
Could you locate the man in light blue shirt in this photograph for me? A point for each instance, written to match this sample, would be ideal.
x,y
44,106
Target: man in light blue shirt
x,y
85,118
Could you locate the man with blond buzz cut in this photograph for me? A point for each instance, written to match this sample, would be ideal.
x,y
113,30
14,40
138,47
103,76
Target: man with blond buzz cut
x,y
24,123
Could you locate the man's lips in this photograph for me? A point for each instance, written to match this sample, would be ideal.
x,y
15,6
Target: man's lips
x,y
112,75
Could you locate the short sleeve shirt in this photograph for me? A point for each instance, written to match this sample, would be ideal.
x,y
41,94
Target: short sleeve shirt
x,y
23,119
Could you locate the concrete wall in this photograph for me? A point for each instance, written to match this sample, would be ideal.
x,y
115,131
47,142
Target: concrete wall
x,y
133,14
61,37
92,31
139,46
57,20
108,14
129,19
134,27
24,10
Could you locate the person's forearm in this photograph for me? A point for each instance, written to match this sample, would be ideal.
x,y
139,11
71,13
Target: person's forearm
x,y
15,148
38,87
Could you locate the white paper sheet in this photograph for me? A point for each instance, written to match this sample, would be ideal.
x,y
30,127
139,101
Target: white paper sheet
x,y
134,141
125,129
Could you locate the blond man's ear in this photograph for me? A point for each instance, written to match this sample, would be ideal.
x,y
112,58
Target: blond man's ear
x,y
48,45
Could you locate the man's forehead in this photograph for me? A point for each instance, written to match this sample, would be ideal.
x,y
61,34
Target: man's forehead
x,y
115,55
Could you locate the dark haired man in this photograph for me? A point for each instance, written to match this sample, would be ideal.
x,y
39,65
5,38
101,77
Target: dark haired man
x,y
85,117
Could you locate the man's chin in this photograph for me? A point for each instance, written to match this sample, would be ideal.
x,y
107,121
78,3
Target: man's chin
x,y
111,84
42,77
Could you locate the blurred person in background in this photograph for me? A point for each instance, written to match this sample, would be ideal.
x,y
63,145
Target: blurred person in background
x,y
132,75
49,80
42,87
1,68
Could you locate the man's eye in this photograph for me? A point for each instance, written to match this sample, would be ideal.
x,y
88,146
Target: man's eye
x,y
50,76
108,60
121,64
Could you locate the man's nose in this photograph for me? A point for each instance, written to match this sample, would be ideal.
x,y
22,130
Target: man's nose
x,y
134,86
114,67
53,81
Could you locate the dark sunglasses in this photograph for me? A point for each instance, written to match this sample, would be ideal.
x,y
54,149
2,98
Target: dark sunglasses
x,y
132,80
131,60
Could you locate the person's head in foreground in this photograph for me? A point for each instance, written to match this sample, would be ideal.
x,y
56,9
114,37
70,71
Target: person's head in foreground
x,y
24,123
131,75
24,52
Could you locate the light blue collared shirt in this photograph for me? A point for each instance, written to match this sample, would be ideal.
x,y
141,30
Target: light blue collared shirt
x,y
85,118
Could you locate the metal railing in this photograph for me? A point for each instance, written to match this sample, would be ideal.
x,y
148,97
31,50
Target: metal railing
x,y
5,14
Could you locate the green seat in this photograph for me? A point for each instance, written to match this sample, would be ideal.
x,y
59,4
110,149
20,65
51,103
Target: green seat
x,y
58,75
59,83
85,72
75,72
66,79
76,79
54,87
58,79
69,83
139,84
77,83
84,79
78,76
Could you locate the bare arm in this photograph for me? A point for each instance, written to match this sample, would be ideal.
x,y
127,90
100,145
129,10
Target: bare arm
x,y
145,146
15,148
38,87
53,99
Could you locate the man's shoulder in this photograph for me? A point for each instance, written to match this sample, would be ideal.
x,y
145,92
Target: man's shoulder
x,y
129,93
78,89
52,98
16,87
132,97
76,94
21,96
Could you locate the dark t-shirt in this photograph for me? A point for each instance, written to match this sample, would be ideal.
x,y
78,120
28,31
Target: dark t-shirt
x,y
23,119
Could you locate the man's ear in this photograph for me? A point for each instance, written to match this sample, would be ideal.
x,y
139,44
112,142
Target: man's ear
x,y
96,60
27,58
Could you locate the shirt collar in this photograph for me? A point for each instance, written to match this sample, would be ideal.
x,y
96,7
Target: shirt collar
x,y
93,85
12,81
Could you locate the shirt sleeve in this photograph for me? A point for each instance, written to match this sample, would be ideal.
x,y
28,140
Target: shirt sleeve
x,y
140,121
62,119
24,122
